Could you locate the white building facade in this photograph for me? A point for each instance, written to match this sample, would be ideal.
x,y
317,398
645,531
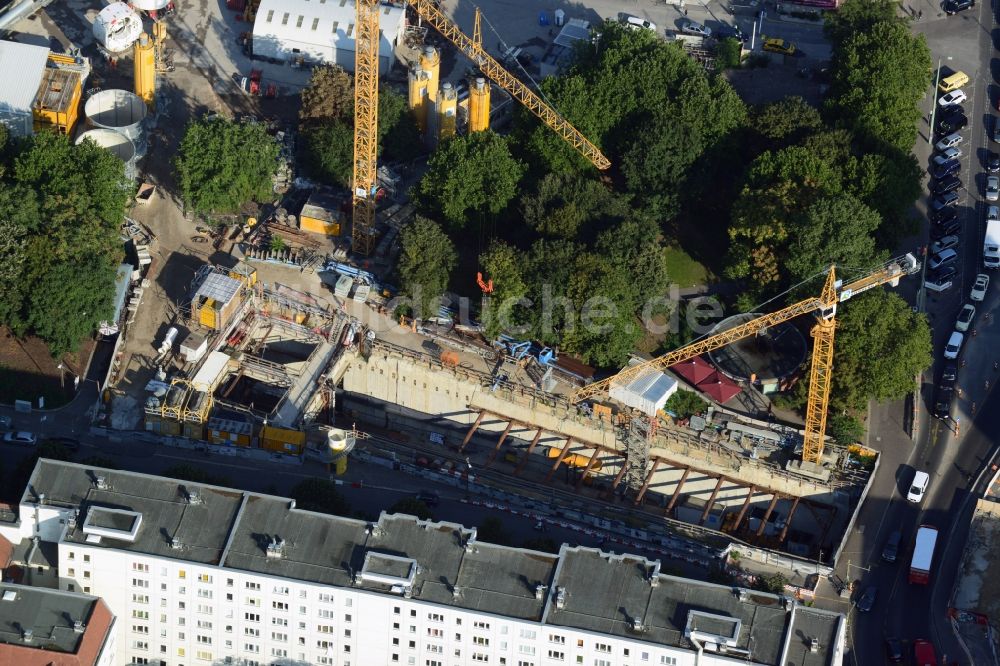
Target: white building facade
x,y
321,32
339,592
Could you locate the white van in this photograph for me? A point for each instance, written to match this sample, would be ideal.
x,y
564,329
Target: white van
x,y
635,22
918,487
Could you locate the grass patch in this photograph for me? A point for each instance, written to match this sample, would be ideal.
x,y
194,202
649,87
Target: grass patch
x,y
682,269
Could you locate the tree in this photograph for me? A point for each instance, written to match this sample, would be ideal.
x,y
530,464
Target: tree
x,y
223,164
469,177
330,151
412,507
502,264
773,583
728,54
572,206
833,230
685,404
881,345
398,134
69,300
328,97
425,263
320,495
878,78
844,429
785,122
195,474
493,530
542,545
857,16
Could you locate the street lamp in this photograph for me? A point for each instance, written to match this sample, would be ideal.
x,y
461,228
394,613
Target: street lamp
x,y
937,80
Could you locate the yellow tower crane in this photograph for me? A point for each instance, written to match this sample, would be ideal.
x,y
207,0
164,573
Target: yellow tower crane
x,y
821,370
366,106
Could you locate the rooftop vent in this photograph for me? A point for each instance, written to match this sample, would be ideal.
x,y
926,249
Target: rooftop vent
x,y
456,592
28,635
470,543
194,497
635,624
175,543
654,574
814,645
291,504
540,591
9,595
41,498
276,548
78,626
560,593
102,482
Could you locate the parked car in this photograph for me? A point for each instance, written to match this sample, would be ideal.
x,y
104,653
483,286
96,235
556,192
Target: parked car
x,y
949,228
979,287
944,215
947,273
944,200
953,98
891,549
776,45
867,599
948,155
429,498
943,399
689,27
635,23
952,80
941,259
947,184
996,129
938,283
992,162
948,168
69,442
954,345
952,7
951,125
894,650
950,371
965,317
992,188
20,437
944,243
949,141
992,213
919,486
731,32
5,422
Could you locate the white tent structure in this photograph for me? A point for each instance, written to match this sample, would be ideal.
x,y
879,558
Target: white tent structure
x,y
320,32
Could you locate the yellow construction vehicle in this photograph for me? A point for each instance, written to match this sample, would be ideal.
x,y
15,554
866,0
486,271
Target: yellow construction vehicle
x,y
821,370
366,106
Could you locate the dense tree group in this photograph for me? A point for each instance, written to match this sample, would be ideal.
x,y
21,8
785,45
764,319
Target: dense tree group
x,y
61,209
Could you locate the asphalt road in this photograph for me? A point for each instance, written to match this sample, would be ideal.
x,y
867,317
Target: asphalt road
x,y
955,460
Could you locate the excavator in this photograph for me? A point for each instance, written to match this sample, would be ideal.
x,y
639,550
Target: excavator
x,y
366,106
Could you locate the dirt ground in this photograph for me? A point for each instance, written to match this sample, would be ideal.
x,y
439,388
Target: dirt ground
x,y
28,371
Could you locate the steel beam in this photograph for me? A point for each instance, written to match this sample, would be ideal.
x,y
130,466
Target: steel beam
x,y
711,501
472,430
527,454
562,455
590,466
677,490
743,510
788,521
503,438
647,481
770,508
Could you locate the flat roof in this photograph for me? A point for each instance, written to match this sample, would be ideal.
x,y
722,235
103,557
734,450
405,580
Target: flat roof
x,y
219,287
21,69
579,588
49,615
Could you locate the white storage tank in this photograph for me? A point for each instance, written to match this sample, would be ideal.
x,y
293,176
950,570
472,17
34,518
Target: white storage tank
x,y
150,5
648,392
121,111
117,27
116,143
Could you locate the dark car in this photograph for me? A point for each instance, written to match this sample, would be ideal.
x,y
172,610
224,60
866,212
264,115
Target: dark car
x,y
952,123
952,7
731,32
945,272
992,162
945,229
943,398
946,184
69,442
996,130
429,498
944,200
950,372
891,549
867,599
946,169
894,650
944,215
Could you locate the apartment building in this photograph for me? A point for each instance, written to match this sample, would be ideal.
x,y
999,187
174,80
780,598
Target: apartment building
x,y
45,627
203,575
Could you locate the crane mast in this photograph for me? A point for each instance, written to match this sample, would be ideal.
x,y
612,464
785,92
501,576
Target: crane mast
x,y
365,127
821,369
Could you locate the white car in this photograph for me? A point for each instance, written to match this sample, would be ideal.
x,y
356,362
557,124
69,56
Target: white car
x,y
20,438
690,27
938,284
979,288
992,188
919,486
947,155
954,345
993,214
949,141
635,23
965,317
953,98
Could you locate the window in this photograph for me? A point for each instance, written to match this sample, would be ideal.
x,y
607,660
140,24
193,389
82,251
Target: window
x,y
140,629
229,582
435,649
481,625
251,617
180,636
140,615
347,633
325,598
250,631
270,15
204,578
557,639
668,661
315,23
252,647
204,656
480,657
602,647
556,655
298,21
253,601
325,613
204,640
140,599
136,566
278,636
281,589
284,19
204,594
279,621
279,652
140,645
435,633
526,649
644,656
435,617
279,605
71,555
71,587
86,558
347,617
480,640
70,573
328,629
350,29
204,624
348,602
180,652
528,634
252,586
86,574
602,662
182,574
336,24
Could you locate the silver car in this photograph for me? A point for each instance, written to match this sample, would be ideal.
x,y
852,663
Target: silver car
x,y
992,188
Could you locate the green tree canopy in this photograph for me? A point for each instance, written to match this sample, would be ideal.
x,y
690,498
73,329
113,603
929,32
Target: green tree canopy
x,y
685,404
832,230
330,151
572,206
469,177
411,506
328,97
783,123
69,300
223,164
320,495
858,16
503,264
881,346
425,264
